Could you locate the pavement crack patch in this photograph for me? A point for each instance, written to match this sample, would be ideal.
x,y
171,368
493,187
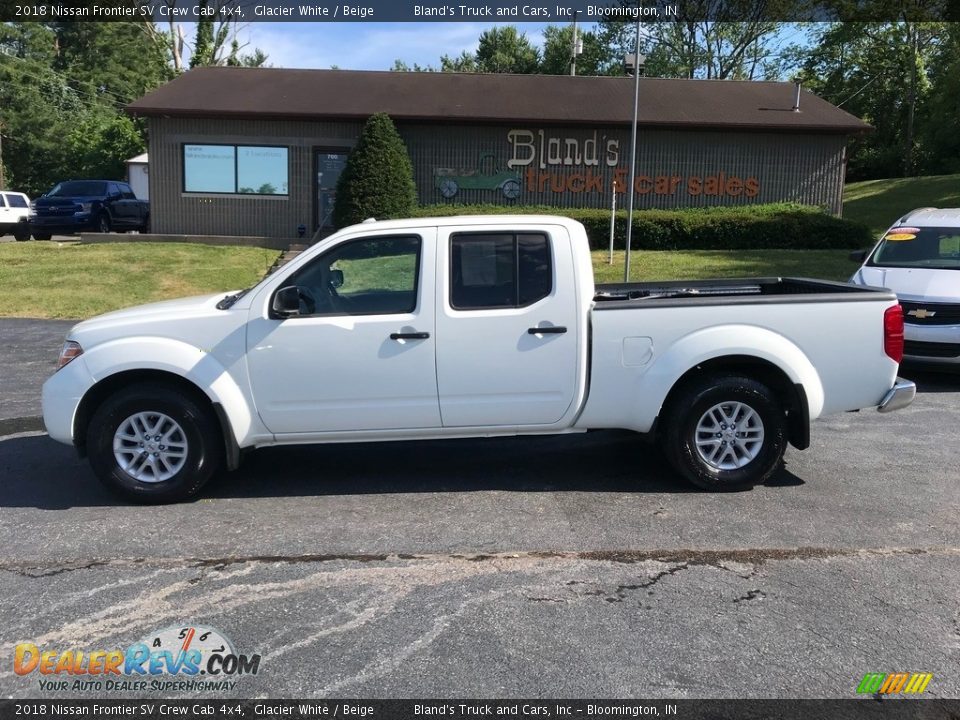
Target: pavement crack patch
x,y
39,572
751,595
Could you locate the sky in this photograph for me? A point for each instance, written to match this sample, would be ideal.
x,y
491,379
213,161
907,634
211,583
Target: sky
x,y
366,45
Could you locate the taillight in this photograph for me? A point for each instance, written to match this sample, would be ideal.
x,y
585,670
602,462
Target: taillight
x,y
893,332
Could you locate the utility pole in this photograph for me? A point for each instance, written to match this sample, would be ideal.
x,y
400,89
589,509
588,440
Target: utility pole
x,y
574,50
3,181
631,192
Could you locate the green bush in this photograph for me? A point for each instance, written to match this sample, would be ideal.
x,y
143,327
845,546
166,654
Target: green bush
x,y
378,178
750,227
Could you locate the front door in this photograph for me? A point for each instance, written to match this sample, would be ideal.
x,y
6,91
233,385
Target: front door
x,y
507,327
329,164
361,354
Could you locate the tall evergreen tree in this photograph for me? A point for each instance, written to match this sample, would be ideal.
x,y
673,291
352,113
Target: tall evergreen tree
x,y
378,178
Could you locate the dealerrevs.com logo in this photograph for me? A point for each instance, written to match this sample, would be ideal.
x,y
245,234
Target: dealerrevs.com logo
x,y
894,683
174,659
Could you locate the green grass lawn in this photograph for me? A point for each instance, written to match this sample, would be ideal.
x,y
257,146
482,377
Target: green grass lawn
x,y
877,203
70,280
696,264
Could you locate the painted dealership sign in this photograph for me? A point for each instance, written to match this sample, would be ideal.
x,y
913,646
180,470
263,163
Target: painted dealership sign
x,y
541,162
547,160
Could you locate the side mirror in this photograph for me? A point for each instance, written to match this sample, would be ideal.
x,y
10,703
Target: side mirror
x,y
336,279
858,256
286,303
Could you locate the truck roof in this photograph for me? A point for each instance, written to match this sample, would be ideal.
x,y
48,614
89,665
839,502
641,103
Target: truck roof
x,y
475,220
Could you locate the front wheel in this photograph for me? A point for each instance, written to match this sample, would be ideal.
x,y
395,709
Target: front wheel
x,y
725,433
153,444
103,223
42,236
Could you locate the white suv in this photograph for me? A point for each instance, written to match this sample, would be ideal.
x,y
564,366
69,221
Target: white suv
x,y
919,259
14,212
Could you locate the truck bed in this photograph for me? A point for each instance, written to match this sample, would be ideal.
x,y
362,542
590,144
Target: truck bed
x,y
620,296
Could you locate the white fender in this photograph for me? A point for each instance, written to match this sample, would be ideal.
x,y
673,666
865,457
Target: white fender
x,y
721,341
179,358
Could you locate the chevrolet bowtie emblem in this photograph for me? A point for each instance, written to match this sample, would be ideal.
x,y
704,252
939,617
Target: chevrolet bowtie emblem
x,y
922,313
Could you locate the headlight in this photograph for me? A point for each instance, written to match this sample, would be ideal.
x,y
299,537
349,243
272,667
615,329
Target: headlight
x,y
68,352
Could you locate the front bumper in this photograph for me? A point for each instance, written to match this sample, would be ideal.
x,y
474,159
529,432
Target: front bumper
x,y
899,396
932,344
61,397
62,225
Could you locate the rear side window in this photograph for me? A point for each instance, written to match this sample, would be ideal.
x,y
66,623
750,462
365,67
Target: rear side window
x,y
3,203
499,270
17,201
125,192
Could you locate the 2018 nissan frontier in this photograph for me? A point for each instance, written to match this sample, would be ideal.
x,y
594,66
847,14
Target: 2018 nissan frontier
x,y
469,326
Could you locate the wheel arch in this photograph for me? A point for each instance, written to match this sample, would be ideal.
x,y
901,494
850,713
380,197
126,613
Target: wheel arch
x,y
793,395
98,393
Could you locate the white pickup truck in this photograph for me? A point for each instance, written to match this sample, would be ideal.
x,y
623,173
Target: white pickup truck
x,y
469,327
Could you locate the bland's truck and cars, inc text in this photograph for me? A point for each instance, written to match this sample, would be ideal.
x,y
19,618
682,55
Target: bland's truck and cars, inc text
x,y
470,326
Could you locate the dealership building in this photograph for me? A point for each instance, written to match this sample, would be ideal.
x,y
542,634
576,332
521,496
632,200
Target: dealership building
x,y
257,151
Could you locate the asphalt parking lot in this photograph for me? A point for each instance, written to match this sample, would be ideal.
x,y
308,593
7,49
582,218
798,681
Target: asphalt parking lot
x,y
574,566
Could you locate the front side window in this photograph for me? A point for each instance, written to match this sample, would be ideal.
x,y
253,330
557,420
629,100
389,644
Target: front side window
x,y
235,169
376,276
499,270
930,247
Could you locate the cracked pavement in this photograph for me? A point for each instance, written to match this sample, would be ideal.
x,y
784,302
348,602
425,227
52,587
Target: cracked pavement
x,y
573,566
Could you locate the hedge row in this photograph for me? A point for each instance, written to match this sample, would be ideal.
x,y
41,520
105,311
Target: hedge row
x,y
752,227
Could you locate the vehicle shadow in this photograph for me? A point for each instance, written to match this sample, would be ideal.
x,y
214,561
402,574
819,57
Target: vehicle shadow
x,y
47,475
932,381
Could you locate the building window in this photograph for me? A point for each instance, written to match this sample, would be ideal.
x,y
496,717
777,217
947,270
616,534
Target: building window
x,y
499,270
243,169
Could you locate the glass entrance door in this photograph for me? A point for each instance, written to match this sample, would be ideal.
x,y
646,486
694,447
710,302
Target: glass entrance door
x,y
329,164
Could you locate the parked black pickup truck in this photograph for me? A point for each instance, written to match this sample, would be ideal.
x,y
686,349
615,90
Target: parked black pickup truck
x,y
94,205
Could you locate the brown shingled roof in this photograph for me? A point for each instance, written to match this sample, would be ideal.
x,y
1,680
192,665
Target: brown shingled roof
x,y
479,98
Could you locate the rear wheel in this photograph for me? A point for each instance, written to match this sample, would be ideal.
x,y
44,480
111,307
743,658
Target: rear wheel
x,y
153,443
21,234
725,432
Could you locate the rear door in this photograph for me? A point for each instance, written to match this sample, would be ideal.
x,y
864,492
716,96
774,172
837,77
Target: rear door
x,y
507,334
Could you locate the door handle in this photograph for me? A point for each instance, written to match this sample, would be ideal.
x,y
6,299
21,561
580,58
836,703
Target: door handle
x,y
553,330
410,336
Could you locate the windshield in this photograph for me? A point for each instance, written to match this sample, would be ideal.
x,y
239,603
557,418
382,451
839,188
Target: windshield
x,y
79,188
937,248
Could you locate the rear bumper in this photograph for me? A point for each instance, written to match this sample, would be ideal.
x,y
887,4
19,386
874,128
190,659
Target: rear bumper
x,y
899,396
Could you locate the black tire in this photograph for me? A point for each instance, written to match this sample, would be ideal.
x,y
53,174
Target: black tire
x,y
21,235
145,228
204,447
103,223
690,405
42,236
